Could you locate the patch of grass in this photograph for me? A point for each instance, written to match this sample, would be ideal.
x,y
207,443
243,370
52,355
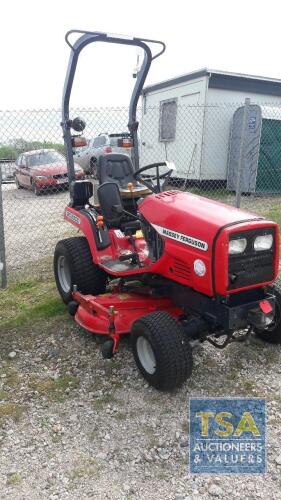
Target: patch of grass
x,y
104,400
216,194
153,398
12,378
233,375
56,438
14,479
21,288
210,362
11,410
44,422
238,365
111,366
247,387
28,302
274,214
60,399
4,395
36,312
89,469
54,389
271,355
120,416
66,381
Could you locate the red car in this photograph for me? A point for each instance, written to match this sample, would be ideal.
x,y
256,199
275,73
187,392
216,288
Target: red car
x,y
42,169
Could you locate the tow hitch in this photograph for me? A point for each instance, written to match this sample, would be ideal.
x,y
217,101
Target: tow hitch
x,y
263,315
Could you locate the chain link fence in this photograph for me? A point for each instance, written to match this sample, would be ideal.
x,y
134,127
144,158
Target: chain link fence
x,y
227,152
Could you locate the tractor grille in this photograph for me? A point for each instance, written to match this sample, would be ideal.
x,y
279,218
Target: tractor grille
x,y
60,176
181,270
251,267
166,194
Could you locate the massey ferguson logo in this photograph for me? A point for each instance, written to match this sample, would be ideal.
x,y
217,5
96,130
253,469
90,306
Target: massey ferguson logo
x,y
182,238
71,216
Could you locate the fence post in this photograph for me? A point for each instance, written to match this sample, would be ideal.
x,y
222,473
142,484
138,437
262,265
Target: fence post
x,y
3,269
241,162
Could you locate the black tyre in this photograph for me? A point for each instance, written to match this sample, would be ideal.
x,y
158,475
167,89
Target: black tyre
x,y
107,349
73,265
35,189
19,186
272,334
161,351
72,307
94,168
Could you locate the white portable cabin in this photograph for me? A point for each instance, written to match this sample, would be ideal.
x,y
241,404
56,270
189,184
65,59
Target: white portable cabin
x,y
188,119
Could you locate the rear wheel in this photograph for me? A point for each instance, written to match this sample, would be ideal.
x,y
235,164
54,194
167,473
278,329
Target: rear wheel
x,y
73,265
272,334
161,350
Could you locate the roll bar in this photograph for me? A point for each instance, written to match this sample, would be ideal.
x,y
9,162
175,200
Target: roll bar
x,y
85,39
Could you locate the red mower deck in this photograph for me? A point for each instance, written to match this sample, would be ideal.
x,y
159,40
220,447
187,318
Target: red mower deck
x,y
116,312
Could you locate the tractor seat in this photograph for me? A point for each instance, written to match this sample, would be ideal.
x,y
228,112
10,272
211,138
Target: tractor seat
x,y
80,193
112,209
118,168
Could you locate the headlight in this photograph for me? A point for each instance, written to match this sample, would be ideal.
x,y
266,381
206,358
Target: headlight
x,y
237,246
263,242
199,267
39,177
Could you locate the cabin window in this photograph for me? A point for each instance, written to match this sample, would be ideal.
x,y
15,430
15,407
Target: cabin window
x,y
168,120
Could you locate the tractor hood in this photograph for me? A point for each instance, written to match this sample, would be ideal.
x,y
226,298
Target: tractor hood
x,y
180,215
196,233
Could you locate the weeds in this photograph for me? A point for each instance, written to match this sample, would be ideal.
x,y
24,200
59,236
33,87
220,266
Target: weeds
x,y
11,410
14,479
54,389
104,400
89,469
28,302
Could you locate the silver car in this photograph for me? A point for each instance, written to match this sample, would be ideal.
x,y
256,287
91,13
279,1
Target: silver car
x,y
87,157
7,168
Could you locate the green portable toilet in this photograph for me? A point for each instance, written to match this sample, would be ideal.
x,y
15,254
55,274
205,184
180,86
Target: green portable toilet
x,y
261,161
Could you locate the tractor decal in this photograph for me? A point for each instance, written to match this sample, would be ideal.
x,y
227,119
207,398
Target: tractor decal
x,y
182,238
72,216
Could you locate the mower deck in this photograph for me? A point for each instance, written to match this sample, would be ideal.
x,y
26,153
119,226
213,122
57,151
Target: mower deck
x,y
114,313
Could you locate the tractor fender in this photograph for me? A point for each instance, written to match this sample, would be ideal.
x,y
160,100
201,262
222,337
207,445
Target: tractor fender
x,y
98,240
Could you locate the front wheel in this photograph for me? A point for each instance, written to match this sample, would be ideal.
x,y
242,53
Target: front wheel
x,y
161,350
73,265
19,186
272,333
35,189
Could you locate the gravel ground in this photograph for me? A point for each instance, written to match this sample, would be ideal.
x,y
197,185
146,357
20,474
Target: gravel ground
x,y
33,225
76,426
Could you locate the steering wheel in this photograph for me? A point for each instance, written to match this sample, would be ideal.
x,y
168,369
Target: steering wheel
x,y
148,180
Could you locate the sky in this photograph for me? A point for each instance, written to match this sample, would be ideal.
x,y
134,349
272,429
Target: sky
x,y
240,36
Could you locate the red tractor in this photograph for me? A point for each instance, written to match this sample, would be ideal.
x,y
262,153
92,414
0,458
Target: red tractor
x,y
171,268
